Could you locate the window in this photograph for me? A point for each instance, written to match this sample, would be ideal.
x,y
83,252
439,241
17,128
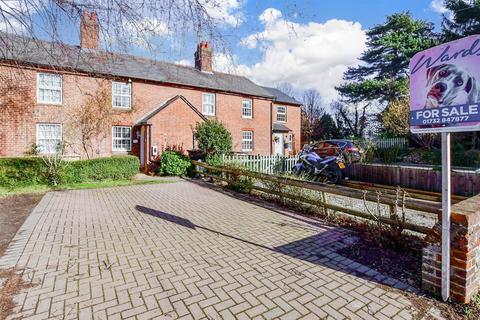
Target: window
x,y
49,137
121,95
121,138
247,109
49,88
208,104
247,140
281,114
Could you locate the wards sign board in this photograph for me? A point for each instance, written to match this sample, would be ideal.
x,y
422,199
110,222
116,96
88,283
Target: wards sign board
x,y
445,87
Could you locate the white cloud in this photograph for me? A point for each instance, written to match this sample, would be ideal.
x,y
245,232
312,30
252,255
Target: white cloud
x,y
184,62
312,55
437,6
270,15
15,14
141,32
221,62
226,12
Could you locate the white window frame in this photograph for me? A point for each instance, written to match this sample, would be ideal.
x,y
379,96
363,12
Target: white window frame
x,y
284,113
39,88
247,140
113,139
245,113
37,136
122,95
204,105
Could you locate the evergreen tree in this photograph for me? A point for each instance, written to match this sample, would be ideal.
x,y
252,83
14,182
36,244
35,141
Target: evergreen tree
x,y
462,20
383,75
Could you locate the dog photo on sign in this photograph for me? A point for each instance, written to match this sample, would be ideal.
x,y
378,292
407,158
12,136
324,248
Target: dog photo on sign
x,y
448,84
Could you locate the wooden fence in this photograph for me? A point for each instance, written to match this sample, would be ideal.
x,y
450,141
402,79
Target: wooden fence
x,y
464,183
390,200
263,164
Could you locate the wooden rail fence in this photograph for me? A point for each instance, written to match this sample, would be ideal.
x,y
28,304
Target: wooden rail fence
x,y
391,200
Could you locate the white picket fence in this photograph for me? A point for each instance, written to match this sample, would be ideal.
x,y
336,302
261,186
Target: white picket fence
x,y
385,143
263,164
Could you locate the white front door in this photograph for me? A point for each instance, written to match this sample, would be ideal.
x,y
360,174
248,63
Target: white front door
x,y
278,140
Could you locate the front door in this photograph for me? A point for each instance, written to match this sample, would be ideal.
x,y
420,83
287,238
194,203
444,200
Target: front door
x,y
142,146
278,140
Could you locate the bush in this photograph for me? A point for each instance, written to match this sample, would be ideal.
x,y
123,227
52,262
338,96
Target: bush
x,y
213,138
391,155
20,172
174,164
111,168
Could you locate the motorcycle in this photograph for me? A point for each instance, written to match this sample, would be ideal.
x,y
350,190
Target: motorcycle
x,y
327,170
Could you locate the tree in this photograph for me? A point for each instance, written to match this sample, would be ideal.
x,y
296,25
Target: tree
x,y
124,24
91,120
383,73
351,119
396,117
327,128
312,111
286,88
463,19
213,138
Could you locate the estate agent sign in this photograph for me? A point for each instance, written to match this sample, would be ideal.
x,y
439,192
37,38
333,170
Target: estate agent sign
x,y
445,97
445,87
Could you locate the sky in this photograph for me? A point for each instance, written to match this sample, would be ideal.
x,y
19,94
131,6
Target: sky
x,y
307,43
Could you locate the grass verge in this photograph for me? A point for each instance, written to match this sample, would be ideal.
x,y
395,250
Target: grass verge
x,y
83,185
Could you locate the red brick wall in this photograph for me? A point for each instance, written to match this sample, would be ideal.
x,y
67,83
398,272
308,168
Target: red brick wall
x,y
174,126
464,253
20,113
293,122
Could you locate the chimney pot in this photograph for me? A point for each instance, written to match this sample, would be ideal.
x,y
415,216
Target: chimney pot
x,y
89,31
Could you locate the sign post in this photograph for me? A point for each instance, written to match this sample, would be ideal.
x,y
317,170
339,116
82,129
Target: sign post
x,y
445,98
446,211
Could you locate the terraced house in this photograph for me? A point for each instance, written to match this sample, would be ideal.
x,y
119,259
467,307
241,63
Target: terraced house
x,y
101,103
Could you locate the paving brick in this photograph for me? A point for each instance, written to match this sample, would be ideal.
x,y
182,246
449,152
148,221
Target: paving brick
x,y
183,251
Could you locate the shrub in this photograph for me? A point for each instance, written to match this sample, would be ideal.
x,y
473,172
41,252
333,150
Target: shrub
x,y
213,138
214,160
112,168
173,164
20,172
390,155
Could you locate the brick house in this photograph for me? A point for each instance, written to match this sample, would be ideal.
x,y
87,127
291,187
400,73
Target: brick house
x,y
50,91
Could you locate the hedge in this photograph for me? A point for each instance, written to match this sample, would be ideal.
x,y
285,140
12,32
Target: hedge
x,y
20,172
112,168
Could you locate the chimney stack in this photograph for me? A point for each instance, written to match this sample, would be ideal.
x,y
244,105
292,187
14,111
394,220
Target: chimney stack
x,y
203,57
89,31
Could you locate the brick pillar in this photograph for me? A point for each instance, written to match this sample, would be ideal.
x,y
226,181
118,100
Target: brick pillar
x,y
465,253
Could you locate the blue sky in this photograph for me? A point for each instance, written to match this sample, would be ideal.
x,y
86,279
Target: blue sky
x,y
367,12
327,38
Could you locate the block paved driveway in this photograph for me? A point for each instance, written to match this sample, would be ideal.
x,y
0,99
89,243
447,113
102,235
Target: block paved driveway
x,y
183,251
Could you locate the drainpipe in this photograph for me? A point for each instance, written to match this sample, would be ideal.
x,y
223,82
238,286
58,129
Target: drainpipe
x,y
271,127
